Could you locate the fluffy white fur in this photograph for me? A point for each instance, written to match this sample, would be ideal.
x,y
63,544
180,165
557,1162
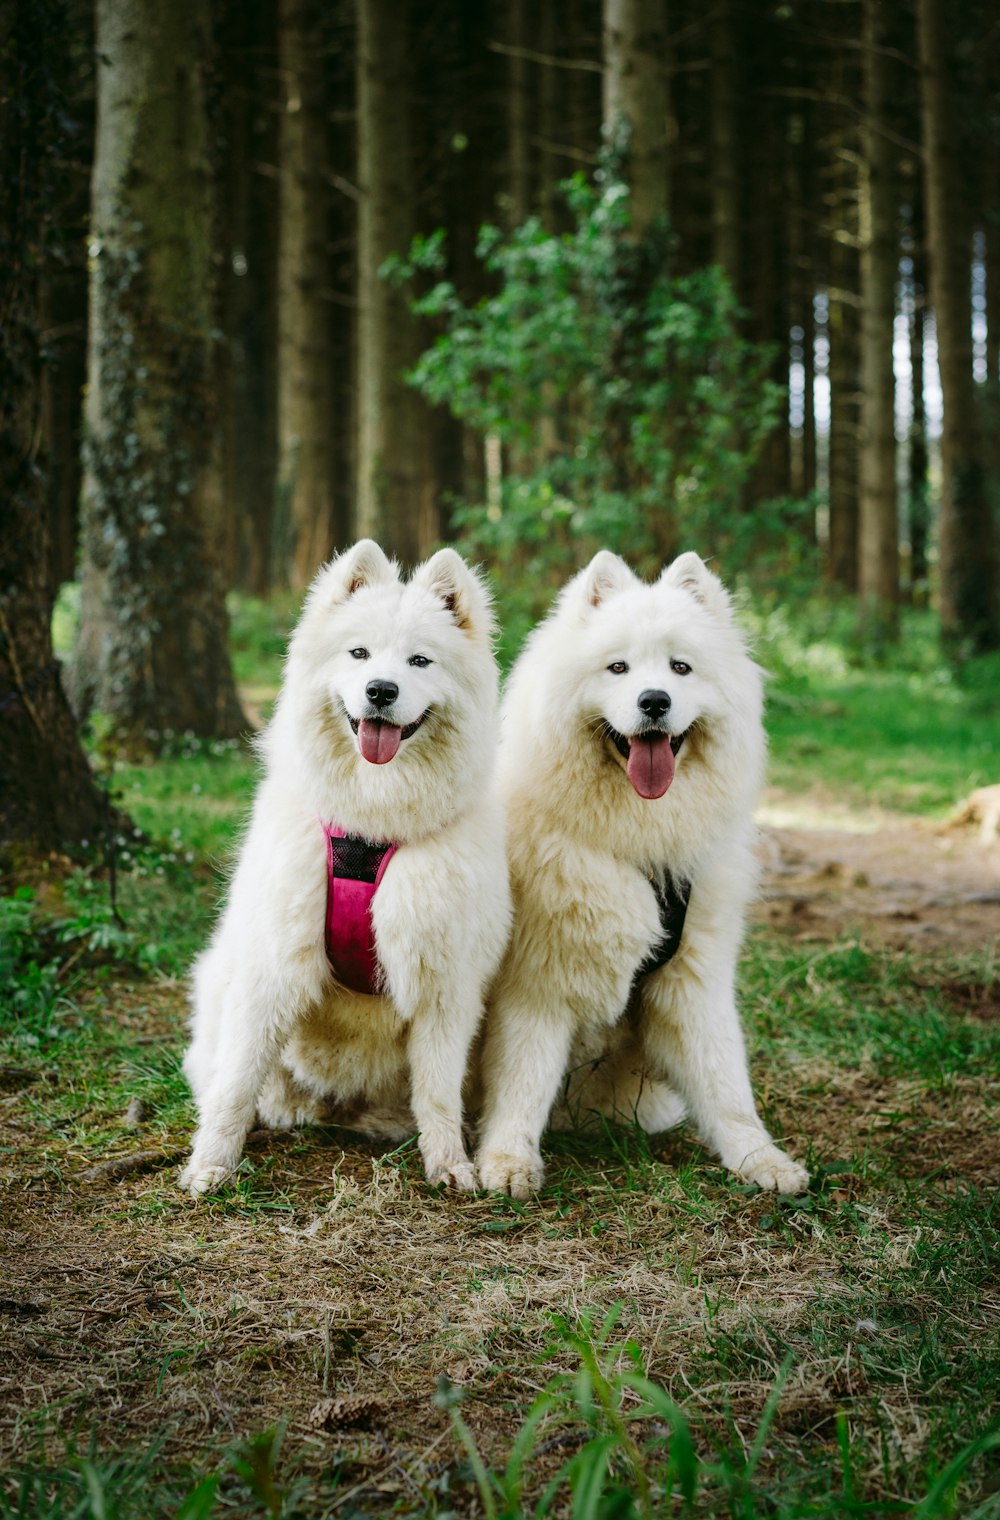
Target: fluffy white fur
x,y
565,1022
272,1031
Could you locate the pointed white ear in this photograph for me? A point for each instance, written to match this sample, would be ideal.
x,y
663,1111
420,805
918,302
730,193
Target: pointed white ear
x,y
450,579
363,565
690,573
605,576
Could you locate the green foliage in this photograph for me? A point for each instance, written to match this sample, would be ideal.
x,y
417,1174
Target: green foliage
x,y
628,403
256,1461
27,971
88,1487
195,798
82,931
638,1454
258,635
916,734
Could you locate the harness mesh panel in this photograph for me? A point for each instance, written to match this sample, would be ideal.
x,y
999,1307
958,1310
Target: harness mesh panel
x,y
673,898
356,859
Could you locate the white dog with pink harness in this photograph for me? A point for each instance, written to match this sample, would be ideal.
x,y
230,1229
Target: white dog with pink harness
x,y
370,904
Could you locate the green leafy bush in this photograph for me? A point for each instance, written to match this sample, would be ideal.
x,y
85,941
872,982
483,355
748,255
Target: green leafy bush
x,y
628,406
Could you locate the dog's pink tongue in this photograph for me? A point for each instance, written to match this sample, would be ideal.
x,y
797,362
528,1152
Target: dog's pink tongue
x,y
378,742
650,764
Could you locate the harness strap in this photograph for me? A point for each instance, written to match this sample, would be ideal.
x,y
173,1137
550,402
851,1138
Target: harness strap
x,y
672,898
354,869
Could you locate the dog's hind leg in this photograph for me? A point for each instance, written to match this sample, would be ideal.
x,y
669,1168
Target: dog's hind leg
x,y
284,1103
383,1123
619,1087
654,1105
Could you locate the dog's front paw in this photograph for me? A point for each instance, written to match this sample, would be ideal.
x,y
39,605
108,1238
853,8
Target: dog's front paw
x,y
520,1176
199,1178
773,1171
460,1174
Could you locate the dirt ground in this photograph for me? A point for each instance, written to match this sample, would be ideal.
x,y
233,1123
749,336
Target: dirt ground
x,y
927,887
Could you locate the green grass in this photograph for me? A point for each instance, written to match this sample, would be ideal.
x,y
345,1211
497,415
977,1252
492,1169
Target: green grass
x,y
195,799
915,735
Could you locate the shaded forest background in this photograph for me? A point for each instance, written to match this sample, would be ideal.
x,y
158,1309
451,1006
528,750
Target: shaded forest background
x,y
762,319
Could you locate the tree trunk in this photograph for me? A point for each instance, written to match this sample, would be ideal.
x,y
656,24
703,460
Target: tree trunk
x,y
808,454
803,216
842,547
48,799
153,651
247,42
993,287
726,176
769,290
878,528
636,102
519,115
305,469
551,116
64,337
583,88
967,540
919,508
395,496
64,304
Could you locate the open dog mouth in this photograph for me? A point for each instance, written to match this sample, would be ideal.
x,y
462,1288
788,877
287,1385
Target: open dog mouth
x,y
649,758
378,740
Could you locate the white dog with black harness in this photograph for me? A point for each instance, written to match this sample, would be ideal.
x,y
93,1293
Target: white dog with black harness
x,y
632,753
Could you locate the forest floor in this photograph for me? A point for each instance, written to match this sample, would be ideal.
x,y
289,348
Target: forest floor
x,y
911,882
310,1341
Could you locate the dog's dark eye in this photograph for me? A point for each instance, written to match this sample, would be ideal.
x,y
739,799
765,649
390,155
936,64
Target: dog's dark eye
x,y
359,654
618,667
680,667
419,660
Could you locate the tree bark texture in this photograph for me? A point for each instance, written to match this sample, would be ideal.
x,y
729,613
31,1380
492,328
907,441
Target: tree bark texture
x,y
878,527
306,507
519,114
918,505
395,502
726,177
636,101
768,259
48,799
153,649
967,537
64,302
248,221
844,371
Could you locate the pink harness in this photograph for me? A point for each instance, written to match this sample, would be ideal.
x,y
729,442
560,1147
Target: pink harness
x,y
354,868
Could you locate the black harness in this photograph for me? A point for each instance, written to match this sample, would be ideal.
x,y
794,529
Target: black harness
x,y
672,898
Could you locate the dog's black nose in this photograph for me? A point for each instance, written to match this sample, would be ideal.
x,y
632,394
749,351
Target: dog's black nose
x,y
654,703
381,693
